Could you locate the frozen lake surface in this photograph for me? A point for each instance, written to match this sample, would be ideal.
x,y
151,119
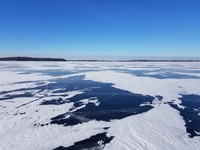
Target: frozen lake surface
x,y
99,105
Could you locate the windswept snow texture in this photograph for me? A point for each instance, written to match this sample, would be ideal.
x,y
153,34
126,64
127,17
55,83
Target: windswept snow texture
x,y
99,105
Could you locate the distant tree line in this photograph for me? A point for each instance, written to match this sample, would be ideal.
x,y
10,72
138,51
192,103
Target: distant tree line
x,y
19,58
30,59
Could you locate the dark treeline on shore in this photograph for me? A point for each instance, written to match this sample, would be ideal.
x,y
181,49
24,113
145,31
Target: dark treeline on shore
x,y
30,59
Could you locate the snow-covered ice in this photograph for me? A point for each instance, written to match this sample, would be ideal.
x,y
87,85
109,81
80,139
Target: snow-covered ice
x,y
33,94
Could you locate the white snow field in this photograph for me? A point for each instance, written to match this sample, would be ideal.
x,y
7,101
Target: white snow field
x,y
34,94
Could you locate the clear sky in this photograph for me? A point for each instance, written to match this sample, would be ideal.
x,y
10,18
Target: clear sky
x,y
98,28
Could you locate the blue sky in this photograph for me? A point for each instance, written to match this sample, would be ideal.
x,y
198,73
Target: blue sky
x,y
100,28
